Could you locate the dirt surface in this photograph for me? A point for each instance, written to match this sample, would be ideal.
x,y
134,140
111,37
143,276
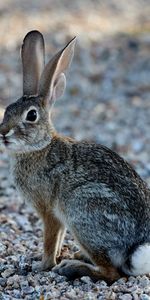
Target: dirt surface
x,y
107,101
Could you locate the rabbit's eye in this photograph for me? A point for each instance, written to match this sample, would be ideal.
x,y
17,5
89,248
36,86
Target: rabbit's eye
x,y
31,115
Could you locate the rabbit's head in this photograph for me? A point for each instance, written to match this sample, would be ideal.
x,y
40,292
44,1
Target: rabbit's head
x,y
26,124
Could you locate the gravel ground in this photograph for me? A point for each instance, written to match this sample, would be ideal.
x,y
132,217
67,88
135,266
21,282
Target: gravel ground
x,y
107,101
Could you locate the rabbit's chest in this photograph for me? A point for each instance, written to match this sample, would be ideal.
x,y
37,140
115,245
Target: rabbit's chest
x,y
31,183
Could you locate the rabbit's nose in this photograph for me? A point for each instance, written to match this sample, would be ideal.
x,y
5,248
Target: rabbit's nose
x,y
4,131
3,138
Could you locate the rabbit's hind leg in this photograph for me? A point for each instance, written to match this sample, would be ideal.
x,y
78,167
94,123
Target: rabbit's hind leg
x,y
81,256
75,269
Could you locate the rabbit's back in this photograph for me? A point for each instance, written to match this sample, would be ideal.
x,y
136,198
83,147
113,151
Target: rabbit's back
x,y
91,163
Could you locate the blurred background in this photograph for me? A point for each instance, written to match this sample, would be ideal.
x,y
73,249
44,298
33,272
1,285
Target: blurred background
x,y
108,85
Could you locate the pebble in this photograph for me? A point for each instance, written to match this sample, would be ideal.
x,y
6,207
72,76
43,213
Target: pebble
x,y
24,284
125,297
144,282
27,290
111,295
7,273
86,279
144,297
135,296
17,293
2,248
3,282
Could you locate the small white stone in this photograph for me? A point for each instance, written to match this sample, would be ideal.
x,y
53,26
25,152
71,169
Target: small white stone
x,y
7,273
28,290
125,297
86,279
2,248
144,297
144,281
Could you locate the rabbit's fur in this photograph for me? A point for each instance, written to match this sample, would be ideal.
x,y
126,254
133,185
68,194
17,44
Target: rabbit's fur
x,y
85,187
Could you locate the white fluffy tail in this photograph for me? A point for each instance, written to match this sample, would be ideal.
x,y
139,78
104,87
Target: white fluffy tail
x,y
139,262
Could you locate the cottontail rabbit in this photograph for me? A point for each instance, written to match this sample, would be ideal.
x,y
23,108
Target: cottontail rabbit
x,y
85,187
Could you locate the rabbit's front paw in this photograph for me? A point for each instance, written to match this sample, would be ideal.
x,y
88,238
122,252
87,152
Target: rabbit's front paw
x,y
44,265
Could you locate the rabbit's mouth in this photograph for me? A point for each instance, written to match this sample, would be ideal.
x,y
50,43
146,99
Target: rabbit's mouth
x,y
7,144
5,141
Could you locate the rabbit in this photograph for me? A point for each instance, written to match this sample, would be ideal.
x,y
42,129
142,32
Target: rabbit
x,y
82,186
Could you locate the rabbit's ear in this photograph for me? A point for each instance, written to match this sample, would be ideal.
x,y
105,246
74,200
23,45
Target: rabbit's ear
x,y
32,54
53,82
